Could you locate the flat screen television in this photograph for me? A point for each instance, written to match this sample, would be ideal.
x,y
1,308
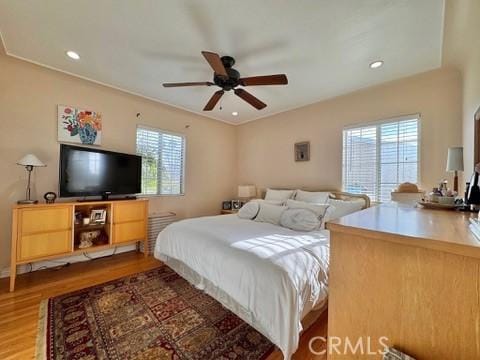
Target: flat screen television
x,y
91,172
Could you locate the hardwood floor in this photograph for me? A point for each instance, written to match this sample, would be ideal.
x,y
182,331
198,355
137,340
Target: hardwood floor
x,y
19,310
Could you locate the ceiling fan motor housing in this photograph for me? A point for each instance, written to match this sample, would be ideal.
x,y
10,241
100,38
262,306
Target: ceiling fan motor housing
x,y
233,75
227,61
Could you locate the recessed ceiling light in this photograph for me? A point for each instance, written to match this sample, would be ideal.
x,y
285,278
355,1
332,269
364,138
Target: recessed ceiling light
x,y
235,113
73,55
376,64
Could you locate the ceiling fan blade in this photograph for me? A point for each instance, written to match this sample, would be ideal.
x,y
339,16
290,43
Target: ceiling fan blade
x,y
215,62
213,100
204,83
278,79
249,98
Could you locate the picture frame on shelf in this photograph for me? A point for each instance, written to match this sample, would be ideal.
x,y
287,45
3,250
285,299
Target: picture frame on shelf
x,y
98,216
227,205
236,204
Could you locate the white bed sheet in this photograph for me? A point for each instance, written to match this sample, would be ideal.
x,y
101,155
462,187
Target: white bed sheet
x,y
275,274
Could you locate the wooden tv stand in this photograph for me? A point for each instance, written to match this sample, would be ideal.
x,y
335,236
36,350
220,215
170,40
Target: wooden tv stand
x,y
48,231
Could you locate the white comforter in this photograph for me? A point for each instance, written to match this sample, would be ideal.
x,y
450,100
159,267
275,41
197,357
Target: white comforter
x,y
276,274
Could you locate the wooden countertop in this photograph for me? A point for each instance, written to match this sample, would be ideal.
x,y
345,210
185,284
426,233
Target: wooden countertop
x,y
433,229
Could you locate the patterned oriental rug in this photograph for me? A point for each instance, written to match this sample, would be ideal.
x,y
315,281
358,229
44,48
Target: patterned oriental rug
x,y
152,315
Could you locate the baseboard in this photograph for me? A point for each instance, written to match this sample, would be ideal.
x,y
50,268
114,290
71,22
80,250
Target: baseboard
x,y
24,268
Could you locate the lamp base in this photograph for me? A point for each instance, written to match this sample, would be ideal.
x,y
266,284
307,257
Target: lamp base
x,y
455,182
25,202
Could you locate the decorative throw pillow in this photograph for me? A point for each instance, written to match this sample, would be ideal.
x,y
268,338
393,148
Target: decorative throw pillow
x,y
319,197
279,194
271,202
270,213
249,210
300,220
318,209
344,207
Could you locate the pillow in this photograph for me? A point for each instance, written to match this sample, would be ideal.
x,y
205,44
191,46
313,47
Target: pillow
x,y
271,202
279,194
319,197
300,220
270,213
249,210
318,209
343,207
328,216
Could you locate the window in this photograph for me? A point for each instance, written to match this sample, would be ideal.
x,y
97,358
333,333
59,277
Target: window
x,y
163,160
378,157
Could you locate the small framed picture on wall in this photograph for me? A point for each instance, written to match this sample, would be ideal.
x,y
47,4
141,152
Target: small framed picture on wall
x,y
302,151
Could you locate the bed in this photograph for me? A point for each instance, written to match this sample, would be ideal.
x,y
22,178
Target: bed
x,y
270,276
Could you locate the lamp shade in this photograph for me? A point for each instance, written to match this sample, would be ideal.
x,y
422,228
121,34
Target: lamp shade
x,y
247,191
455,159
30,160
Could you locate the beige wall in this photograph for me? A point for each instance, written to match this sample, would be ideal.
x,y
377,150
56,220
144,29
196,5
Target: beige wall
x,y
265,147
462,49
29,95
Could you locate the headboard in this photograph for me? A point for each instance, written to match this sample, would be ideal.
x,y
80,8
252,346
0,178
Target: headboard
x,y
340,195
334,194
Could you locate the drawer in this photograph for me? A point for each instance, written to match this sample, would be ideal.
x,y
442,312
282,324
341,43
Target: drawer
x,y
129,211
130,231
45,220
44,244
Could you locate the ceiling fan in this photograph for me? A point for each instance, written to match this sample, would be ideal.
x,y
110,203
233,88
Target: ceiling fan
x,y
227,78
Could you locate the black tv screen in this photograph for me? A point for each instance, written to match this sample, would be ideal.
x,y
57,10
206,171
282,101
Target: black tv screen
x,y
91,172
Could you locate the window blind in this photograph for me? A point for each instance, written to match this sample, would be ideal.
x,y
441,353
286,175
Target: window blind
x,y
378,157
163,160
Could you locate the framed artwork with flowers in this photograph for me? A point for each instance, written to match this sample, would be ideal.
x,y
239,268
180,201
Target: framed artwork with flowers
x,y
79,126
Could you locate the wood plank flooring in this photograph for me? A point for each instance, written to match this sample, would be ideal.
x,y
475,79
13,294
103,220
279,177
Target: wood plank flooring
x,y
19,310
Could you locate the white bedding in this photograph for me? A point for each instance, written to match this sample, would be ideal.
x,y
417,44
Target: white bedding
x,y
275,274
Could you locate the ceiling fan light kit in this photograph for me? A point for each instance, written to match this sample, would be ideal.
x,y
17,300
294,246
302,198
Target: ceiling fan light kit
x,y
227,78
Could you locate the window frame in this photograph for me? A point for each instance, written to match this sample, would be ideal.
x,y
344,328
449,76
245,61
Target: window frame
x,y
184,153
378,123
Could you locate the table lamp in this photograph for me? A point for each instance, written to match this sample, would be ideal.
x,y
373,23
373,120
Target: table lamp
x,y
455,163
29,161
246,192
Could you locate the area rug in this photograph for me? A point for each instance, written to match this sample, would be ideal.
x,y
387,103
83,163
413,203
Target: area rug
x,y
152,315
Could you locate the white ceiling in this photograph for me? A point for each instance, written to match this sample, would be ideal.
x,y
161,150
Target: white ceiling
x,y
323,46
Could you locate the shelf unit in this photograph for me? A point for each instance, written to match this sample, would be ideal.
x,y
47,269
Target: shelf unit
x,y
82,211
48,231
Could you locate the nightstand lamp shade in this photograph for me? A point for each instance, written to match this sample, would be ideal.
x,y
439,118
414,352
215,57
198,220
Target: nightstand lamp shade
x,y
247,191
29,161
455,159
455,163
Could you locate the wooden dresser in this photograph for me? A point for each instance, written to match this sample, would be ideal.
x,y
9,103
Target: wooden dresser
x,y
47,231
411,275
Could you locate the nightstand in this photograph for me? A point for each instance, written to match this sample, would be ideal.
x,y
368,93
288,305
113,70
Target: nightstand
x,y
225,212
